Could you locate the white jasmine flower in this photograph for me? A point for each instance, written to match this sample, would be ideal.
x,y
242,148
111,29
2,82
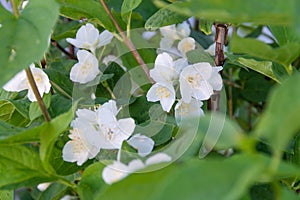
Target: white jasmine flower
x,y
142,143
43,186
172,33
185,110
118,171
186,45
86,69
20,82
194,82
112,131
163,92
87,37
84,143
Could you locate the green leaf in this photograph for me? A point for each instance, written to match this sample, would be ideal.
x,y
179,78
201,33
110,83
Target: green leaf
x,y
236,11
6,194
7,130
24,40
35,110
195,179
89,9
263,67
284,34
164,17
20,166
48,137
10,114
128,6
206,26
199,55
279,122
220,132
54,192
255,86
284,55
91,182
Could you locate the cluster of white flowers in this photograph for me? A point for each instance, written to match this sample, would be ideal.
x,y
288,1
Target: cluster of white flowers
x,y
20,82
100,129
88,38
195,82
173,33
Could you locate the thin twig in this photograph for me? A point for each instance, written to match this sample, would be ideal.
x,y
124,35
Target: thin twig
x,y
127,41
15,8
37,94
56,44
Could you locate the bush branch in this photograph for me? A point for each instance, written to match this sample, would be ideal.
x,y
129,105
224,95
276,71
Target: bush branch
x,y
37,94
128,42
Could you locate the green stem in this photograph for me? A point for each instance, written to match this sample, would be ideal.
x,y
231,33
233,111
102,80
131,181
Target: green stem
x,y
37,94
60,90
105,84
15,8
66,182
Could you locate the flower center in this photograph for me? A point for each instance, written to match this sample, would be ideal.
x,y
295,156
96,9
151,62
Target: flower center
x,y
194,81
86,68
162,92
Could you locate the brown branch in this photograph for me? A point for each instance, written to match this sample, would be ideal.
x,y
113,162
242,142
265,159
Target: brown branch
x,y
56,44
220,40
37,94
128,42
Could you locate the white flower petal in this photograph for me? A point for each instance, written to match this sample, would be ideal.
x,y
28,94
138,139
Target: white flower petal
x,y
185,110
126,126
169,32
216,80
17,83
105,38
158,158
183,29
71,153
164,93
112,106
86,69
115,172
179,65
186,45
43,186
163,68
166,44
147,35
87,115
142,143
